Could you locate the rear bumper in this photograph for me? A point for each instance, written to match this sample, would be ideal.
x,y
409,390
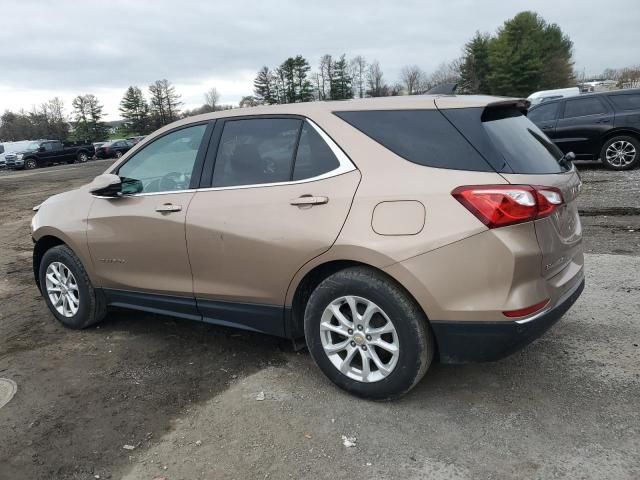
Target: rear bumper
x,y
464,342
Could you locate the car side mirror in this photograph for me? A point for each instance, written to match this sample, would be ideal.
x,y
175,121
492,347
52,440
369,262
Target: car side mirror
x,y
106,185
570,156
41,149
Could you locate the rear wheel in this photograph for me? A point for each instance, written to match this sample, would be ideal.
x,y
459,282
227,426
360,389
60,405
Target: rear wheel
x,y
367,334
620,153
83,157
67,289
30,164
118,154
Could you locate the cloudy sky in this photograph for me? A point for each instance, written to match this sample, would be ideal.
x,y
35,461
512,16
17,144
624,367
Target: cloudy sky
x,y
65,48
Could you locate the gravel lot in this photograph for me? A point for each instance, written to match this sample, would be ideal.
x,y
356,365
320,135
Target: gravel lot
x,y
183,394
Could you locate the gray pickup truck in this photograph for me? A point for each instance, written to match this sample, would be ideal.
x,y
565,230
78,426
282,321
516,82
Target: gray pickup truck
x,y
47,152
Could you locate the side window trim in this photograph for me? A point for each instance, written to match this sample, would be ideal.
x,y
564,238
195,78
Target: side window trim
x,y
345,163
197,166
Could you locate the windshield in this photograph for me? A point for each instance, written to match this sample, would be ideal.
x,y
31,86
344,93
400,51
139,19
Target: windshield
x,y
33,146
524,146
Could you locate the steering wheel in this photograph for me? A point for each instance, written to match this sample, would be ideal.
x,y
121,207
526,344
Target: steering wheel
x,y
171,181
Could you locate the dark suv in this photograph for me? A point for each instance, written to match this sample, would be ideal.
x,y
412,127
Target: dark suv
x,y
594,126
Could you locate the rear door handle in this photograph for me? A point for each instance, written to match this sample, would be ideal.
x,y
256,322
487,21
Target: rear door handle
x,y
309,200
168,207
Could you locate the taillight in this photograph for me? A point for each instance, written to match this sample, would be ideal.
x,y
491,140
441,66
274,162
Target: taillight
x,y
502,205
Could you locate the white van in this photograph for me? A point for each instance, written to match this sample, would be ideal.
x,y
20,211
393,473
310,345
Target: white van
x,y
545,95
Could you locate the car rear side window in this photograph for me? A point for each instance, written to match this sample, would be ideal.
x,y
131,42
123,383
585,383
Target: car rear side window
x,y
424,137
627,101
256,151
314,157
581,107
544,113
523,145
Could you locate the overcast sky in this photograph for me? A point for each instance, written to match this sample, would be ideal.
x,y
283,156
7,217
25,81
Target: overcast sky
x,y
65,48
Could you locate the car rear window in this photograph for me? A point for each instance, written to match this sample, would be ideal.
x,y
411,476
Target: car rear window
x,y
507,139
424,137
626,101
523,145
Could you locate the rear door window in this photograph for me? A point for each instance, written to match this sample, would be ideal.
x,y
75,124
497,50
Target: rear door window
x,y
256,151
581,107
544,113
314,157
424,137
627,101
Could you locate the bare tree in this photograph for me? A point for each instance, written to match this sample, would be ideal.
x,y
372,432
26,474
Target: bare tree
x,y
375,83
359,73
411,77
326,77
446,73
211,99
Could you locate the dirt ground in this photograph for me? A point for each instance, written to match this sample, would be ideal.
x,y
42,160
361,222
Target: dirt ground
x,y
182,396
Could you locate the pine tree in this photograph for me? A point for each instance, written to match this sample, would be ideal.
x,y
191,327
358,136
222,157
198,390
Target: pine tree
x,y
264,87
529,55
135,111
165,103
341,80
475,68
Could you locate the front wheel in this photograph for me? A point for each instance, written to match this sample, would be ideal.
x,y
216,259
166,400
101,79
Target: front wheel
x,y
367,334
82,157
118,154
620,153
30,164
67,289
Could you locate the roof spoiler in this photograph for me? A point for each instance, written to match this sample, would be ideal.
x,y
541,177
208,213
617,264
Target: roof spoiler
x,y
521,104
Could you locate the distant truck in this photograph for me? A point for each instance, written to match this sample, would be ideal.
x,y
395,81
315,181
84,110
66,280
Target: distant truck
x,y
47,152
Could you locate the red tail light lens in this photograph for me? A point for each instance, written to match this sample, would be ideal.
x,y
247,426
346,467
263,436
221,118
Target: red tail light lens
x,y
502,205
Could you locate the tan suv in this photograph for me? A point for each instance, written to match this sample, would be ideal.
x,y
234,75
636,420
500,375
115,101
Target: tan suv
x,y
384,232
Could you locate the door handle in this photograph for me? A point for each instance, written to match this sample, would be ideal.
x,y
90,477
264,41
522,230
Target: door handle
x,y
305,200
168,207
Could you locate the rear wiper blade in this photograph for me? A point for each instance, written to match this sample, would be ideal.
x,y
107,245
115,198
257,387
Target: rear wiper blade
x,y
566,159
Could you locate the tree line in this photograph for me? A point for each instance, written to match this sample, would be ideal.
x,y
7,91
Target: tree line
x,y
524,55
142,115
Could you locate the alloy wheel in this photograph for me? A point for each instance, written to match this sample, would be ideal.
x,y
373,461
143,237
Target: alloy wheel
x,y
359,339
620,153
83,157
62,289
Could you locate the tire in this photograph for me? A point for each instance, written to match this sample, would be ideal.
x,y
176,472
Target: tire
x,y
90,307
621,153
118,154
83,157
30,164
368,288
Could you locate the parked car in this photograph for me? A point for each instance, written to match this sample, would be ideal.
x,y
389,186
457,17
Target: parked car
x,y
137,139
546,95
381,231
594,126
114,149
97,145
47,152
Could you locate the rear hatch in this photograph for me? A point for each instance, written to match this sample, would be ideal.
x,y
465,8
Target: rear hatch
x,y
523,155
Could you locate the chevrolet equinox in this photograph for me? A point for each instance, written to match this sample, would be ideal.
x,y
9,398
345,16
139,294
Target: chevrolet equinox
x,y
384,232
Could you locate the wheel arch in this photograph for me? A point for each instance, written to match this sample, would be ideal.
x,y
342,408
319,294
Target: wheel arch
x,y
618,132
294,315
41,246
